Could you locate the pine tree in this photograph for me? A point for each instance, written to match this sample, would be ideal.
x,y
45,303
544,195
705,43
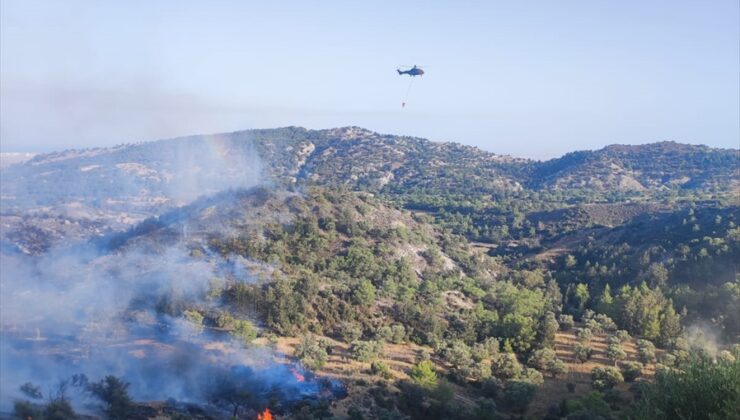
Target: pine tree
x,y
670,325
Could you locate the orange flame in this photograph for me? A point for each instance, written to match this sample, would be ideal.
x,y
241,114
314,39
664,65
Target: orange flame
x,y
297,375
265,415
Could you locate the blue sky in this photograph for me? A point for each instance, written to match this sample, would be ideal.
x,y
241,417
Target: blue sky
x,y
527,78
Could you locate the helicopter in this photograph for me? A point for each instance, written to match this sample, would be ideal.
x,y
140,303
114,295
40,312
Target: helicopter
x,y
414,71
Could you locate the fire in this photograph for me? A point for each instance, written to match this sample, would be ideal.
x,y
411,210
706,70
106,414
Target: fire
x,y
265,415
297,375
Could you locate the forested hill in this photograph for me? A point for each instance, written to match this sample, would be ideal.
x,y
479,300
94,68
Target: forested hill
x,y
434,280
362,159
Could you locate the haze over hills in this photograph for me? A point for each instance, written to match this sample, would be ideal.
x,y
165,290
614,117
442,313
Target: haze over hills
x,y
123,185
355,157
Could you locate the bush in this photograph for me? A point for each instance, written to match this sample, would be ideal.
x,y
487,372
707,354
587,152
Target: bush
x,y
546,360
486,410
645,351
349,331
366,351
490,387
725,357
506,366
195,319
486,349
594,326
606,378
631,370
61,409
615,352
114,394
589,406
532,376
582,352
518,395
566,321
27,410
311,352
244,331
381,369
605,322
584,335
622,335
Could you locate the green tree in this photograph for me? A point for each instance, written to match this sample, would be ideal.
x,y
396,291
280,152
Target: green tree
x,y
701,389
605,301
581,296
605,378
506,366
645,351
424,375
113,393
631,370
364,293
366,351
548,328
670,325
518,395
244,331
582,352
615,352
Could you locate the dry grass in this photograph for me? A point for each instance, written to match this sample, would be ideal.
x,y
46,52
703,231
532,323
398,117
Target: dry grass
x,y
555,390
400,358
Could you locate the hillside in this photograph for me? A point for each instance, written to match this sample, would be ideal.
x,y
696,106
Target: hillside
x,y
165,171
656,166
346,273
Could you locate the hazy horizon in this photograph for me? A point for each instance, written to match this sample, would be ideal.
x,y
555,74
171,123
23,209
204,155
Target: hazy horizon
x,y
9,153
533,80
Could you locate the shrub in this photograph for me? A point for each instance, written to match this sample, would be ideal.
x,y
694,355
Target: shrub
x,y
546,360
506,366
27,410
631,371
622,335
606,378
605,322
349,331
533,376
645,351
594,326
244,331
61,409
381,369
366,351
566,321
584,335
582,352
589,406
518,395
725,357
486,349
195,319
311,353
114,394
615,352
